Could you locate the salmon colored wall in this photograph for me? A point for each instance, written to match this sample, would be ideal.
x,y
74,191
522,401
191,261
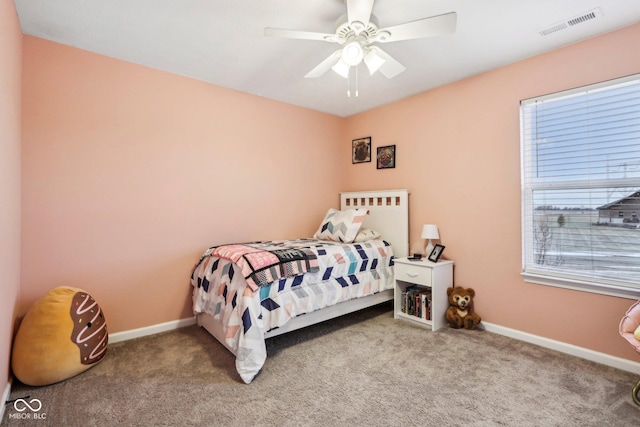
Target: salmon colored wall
x,y
458,153
130,173
10,77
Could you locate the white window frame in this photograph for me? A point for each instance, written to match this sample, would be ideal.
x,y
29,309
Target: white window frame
x,y
557,278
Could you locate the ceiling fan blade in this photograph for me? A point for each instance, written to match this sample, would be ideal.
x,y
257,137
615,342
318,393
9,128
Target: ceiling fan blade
x,y
295,34
390,68
427,27
325,65
359,10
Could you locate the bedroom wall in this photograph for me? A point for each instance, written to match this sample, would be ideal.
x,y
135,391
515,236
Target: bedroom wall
x,y
120,164
458,153
10,78
130,173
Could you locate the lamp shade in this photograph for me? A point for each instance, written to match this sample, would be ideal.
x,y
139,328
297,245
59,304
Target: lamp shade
x,y
352,53
342,68
430,231
373,61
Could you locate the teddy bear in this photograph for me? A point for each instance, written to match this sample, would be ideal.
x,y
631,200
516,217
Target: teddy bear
x,y
460,313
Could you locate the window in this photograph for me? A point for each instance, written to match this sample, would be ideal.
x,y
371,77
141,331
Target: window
x,y
581,188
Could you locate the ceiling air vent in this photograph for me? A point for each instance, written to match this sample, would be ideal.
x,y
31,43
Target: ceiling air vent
x,y
571,22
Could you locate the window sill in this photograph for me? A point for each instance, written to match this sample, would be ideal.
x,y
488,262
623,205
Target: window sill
x,y
577,285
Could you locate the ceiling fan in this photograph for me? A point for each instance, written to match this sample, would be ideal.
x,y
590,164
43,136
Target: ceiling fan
x,y
357,31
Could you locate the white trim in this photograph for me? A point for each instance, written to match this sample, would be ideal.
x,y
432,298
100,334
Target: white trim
x,y
573,350
583,90
583,286
150,330
5,397
589,187
583,353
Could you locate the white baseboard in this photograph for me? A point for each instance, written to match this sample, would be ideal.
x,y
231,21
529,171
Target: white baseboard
x,y
573,350
5,397
584,353
150,330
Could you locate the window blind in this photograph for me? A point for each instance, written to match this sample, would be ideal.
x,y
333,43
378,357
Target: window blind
x,y
581,187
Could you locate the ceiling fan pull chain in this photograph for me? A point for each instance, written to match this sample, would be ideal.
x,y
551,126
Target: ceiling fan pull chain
x,y
349,82
356,81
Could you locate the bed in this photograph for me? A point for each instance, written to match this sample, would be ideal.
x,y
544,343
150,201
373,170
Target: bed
x,y
242,300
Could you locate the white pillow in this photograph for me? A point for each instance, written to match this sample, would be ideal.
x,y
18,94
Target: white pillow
x,y
366,234
341,226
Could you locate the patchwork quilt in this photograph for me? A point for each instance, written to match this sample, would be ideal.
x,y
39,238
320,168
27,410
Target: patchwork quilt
x,y
248,306
263,263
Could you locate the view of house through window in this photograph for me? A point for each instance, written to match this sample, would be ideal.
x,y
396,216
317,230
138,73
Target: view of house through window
x,y
581,187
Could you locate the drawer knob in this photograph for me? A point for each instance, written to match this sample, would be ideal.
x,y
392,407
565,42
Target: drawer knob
x,y
412,274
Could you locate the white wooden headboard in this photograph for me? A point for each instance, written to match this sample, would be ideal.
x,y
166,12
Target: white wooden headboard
x,y
388,214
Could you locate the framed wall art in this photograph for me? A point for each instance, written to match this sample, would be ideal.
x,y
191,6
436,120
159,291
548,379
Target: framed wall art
x,y
386,157
361,150
434,256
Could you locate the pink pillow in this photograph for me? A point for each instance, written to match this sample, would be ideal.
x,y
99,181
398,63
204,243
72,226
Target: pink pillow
x,y
630,324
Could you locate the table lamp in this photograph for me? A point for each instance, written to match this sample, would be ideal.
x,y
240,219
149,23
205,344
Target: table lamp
x,y
430,231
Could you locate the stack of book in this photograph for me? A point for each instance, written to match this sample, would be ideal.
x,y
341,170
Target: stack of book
x,y
416,301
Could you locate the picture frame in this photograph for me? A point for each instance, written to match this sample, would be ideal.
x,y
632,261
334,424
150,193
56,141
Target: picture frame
x,y
434,256
386,157
361,150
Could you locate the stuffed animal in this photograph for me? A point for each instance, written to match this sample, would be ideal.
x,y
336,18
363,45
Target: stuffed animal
x,y
460,313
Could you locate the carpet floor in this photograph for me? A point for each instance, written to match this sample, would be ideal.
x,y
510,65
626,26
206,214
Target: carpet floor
x,y
362,369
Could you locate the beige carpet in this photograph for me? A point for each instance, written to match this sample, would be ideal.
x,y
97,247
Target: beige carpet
x,y
363,369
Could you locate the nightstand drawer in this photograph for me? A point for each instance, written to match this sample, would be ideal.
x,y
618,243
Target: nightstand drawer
x,y
413,274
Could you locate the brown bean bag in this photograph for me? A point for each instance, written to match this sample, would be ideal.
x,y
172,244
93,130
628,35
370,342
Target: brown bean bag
x,y
62,335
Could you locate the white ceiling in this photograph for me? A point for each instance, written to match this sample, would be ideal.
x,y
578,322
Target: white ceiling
x,y
222,41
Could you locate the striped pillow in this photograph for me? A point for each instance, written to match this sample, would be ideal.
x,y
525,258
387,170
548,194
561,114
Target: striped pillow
x,y
341,226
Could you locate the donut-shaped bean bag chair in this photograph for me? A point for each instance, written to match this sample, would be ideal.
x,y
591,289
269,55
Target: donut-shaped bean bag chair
x,y
62,335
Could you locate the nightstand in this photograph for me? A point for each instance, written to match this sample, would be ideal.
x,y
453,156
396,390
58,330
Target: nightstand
x,y
420,291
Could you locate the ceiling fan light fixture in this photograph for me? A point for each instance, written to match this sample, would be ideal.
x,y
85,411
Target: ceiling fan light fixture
x,y
358,29
341,68
352,53
373,61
